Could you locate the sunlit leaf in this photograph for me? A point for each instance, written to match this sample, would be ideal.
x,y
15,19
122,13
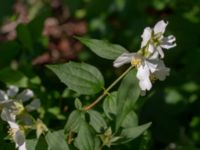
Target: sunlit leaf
x,y
56,140
97,121
131,120
102,48
86,139
128,94
133,132
31,144
80,77
74,120
110,105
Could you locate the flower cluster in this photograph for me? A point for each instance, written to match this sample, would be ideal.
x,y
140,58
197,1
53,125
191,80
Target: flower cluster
x,y
148,60
12,108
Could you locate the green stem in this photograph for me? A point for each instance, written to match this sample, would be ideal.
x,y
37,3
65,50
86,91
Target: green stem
x,y
107,90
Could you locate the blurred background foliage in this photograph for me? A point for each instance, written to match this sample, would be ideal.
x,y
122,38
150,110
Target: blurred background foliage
x,y
34,33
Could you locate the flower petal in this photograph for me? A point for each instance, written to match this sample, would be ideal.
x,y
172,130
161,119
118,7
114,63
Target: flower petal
x,y
168,42
12,90
160,27
168,46
151,48
25,95
19,138
35,104
3,96
162,71
143,74
123,59
154,55
160,51
152,65
22,147
7,115
146,36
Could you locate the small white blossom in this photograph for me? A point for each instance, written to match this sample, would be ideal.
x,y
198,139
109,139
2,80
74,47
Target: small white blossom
x,y
154,40
16,133
148,69
11,105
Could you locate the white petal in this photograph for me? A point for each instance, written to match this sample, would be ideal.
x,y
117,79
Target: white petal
x,y
123,59
13,125
22,147
7,115
155,55
146,36
162,71
25,95
3,96
169,39
160,51
160,27
151,48
35,104
143,77
12,90
168,46
19,138
168,42
152,65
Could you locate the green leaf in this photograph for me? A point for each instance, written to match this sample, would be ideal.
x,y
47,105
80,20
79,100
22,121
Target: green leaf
x,y
97,121
102,48
24,36
110,105
131,120
74,121
80,77
128,94
31,144
133,132
13,77
56,140
86,139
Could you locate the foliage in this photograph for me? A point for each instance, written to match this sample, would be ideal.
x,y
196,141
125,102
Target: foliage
x,y
46,46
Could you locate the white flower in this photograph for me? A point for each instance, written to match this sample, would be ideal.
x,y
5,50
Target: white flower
x,y
11,106
148,69
16,133
154,40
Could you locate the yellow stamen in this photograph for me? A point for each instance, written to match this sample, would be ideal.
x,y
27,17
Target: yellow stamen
x,y
136,62
12,132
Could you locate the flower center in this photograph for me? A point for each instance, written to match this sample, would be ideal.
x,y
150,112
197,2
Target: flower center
x,y
136,62
156,39
12,132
